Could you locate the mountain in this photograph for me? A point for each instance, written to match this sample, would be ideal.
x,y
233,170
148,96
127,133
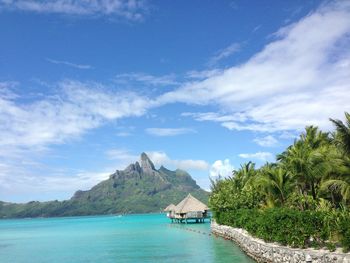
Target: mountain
x,y
140,188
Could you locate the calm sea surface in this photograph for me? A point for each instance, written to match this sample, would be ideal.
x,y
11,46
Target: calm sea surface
x,y
103,239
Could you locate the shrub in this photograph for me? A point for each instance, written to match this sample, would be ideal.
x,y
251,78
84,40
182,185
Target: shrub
x,y
291,227
344,230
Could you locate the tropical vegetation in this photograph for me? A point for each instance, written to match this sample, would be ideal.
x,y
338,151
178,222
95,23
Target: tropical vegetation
x,y
301,200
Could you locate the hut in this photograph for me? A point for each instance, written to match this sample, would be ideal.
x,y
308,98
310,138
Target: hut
x,y
170,209
189,208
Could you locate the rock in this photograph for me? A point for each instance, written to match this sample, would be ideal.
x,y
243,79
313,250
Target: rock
x,y
268,252
146,163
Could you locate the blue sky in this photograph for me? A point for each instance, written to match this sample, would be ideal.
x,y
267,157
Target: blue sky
x,y
86,86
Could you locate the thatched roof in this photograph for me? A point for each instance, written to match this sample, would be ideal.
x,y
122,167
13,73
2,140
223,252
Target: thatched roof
x,y
170,207
190,204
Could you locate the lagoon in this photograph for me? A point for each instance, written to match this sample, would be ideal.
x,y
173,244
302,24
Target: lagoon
x,y
130,238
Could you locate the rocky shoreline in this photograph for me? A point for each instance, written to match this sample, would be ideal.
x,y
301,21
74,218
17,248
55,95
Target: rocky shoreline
x,y
272,252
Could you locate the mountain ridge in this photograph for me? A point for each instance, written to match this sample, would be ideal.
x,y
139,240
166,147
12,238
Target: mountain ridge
x,y
139,188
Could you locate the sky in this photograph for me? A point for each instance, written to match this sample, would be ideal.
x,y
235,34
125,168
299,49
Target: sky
x,y
86,86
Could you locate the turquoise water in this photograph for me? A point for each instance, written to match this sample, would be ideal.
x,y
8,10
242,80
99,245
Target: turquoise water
x,y
132,238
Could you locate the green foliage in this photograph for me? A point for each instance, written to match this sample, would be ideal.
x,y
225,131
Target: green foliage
x,y
344,230
290,227
302,200
342,136
225,197
306,160
339,184
274,183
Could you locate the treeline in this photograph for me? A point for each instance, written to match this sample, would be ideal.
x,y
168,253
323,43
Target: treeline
x,y
302,200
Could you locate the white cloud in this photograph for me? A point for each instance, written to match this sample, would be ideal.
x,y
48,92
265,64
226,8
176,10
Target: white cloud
x,y
161,158
169,131
225,53
288,135
267,141
6,89
21,176
125,131
301,78
256,28
132,10
28,129
24,175
195,74
221,168
55,119
7,84
122,154
148,79
262,156
44,187
69,64
123,134
214,116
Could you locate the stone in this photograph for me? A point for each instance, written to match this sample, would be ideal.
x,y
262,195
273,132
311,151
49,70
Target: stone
x,y
262,251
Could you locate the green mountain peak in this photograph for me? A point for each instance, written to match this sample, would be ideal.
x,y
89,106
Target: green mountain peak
x,y
139,188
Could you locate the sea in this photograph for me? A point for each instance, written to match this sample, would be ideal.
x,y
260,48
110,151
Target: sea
x,y
107,239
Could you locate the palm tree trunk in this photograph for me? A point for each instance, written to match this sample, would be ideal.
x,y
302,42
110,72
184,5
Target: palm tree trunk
x,y
313,191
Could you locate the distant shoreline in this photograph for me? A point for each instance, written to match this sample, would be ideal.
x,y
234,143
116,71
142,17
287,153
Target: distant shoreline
x,y
87,216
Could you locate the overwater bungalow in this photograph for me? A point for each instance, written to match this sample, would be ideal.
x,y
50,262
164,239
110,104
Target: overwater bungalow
x,y
189,209
170,209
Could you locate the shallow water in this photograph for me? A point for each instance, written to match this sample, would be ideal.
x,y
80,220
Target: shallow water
x,y
132,238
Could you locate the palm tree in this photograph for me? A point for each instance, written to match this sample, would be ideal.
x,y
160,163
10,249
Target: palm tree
x,y
242,177
314,138
306,160
341,185
340,182
275,183
342,135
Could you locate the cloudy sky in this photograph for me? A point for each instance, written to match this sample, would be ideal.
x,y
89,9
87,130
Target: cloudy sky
x,y
86,86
